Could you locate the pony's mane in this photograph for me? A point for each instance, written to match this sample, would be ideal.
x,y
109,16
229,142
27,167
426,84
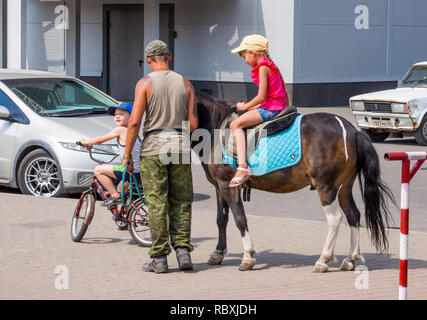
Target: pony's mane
x,y
211,111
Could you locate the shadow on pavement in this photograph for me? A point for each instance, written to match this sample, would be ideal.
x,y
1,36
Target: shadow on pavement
x,y
3,189
402,142
200,197
9,190
194,241
270,259
201,239
101,240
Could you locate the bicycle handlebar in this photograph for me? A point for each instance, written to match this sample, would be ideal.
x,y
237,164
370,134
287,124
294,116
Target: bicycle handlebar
x,y
90,148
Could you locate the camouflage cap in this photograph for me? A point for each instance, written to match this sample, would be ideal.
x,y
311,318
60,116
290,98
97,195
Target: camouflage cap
x,y
156,48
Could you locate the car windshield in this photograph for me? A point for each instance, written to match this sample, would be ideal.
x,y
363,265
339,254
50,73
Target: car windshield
x,y
59,97
417,77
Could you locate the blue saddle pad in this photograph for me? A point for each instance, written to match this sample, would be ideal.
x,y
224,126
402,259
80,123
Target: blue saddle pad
x,y
275,152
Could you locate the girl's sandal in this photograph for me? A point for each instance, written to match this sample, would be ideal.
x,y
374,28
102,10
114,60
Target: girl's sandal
x,y
238,181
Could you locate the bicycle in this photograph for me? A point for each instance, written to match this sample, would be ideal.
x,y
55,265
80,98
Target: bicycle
x,y
132,214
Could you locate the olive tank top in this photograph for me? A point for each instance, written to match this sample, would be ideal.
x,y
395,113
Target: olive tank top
x,y
166,110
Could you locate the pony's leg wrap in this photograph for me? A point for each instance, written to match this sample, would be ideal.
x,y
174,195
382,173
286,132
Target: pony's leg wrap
x,y
334,217
348,263
248,261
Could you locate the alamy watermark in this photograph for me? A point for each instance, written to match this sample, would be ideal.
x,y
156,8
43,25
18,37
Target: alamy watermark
x,y
362,280
62,15
207,145
361,22
62,280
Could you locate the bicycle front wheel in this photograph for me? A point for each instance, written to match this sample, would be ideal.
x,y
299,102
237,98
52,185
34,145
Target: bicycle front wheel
x,y
138,224
82,217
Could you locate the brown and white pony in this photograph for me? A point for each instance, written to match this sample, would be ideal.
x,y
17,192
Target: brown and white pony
x,y
334,153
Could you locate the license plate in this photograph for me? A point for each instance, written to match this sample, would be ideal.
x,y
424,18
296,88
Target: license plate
x,y
381,123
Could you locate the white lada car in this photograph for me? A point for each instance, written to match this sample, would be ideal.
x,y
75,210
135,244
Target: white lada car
x,y
402,110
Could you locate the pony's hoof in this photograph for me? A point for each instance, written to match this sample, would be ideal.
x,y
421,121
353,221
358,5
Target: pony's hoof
x,y
358,257
247,264
346,265
320,267
216,258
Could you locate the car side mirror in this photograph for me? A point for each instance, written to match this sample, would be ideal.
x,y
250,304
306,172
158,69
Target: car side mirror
x,y
399,83
4,113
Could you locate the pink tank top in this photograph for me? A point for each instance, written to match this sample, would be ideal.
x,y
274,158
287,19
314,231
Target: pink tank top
x,y
275,98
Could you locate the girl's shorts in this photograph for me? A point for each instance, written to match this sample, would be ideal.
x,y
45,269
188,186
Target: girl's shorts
x,y
267,114
118,171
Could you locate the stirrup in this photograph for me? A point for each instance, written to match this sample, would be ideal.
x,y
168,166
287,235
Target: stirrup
x,y
240,180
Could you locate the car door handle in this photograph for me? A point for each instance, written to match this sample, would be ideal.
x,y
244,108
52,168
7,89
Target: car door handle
x,y
140,63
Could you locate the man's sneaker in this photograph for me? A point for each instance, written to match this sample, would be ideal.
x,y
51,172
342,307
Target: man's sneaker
x,y
184,259
158,265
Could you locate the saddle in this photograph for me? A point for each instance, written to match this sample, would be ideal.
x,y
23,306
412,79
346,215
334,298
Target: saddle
x,y
253,134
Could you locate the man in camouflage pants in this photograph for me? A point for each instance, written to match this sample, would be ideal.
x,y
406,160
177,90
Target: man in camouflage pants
x,y
168,189
167,99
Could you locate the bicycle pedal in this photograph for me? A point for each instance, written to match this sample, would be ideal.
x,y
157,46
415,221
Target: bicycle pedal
x,y
116,217
111,206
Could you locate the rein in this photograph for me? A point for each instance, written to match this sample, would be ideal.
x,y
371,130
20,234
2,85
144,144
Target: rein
x,y
132,179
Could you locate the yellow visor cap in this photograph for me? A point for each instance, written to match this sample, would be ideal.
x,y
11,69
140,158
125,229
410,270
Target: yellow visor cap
x,y
253,42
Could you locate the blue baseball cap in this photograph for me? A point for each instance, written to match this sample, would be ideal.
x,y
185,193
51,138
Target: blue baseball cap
x,y
124,105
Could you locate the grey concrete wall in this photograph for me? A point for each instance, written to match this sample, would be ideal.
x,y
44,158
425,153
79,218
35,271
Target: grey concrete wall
x,y
45,44
328,46
408,39
1,33
207,31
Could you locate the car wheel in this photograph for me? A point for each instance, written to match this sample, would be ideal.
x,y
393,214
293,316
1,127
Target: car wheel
x,y
376,136
421,133
39,175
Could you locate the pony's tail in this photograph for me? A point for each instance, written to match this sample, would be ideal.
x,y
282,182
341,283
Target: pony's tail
x,y
374,192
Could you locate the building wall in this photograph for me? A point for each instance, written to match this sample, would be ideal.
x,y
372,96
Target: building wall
x,y
339,51
207,31
45,44
408,39
329,47
2,62
91,36
316,44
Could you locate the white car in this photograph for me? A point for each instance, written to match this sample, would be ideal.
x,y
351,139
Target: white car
x,y
402,110
42,115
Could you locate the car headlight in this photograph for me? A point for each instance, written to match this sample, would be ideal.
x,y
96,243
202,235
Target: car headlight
x,y
110,148
357,106
415,110
398,107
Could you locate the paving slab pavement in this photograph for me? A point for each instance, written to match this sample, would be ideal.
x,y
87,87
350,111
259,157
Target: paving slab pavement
x,y
35,242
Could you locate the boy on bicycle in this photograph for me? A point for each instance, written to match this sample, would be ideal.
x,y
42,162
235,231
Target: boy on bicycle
x,y
105,173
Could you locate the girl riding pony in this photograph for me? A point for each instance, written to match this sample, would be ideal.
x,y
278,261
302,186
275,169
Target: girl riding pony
x,y
271,99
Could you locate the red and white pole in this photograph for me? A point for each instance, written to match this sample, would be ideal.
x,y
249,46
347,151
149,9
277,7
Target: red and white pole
x,y
404,228
407,175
